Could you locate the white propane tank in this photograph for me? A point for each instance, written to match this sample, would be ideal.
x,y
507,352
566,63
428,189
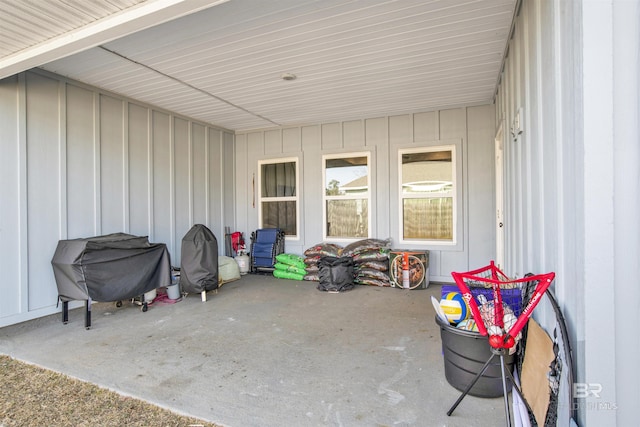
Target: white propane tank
x,y
243,262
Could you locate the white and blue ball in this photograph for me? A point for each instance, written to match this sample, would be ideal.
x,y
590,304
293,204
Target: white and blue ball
x,y
454,307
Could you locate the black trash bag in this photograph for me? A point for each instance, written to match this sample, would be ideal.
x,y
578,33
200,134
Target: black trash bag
x,y
199,260
335,274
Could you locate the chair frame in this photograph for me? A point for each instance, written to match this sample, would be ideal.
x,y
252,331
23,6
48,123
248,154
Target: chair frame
x,y
277,247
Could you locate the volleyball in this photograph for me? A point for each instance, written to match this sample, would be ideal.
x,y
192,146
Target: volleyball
x,y
454,307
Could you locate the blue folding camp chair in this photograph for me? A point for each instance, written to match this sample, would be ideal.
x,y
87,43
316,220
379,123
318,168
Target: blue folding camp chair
x,y
266,243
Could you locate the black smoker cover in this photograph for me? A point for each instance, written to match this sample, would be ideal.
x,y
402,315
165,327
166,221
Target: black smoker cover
x,y
199,260
113,267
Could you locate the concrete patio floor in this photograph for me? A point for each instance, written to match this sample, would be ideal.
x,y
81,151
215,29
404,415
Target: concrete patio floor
x,y
266,352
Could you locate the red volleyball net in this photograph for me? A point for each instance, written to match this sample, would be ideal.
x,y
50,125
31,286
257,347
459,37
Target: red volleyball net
x,y
493,318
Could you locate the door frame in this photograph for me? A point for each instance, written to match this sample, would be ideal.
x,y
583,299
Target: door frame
x,y
499,192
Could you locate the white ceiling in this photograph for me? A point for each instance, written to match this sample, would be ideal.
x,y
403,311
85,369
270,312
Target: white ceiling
x,y
222,64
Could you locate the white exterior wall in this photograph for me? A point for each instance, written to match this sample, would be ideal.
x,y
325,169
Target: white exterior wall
x,y
78,162
471,129
572,183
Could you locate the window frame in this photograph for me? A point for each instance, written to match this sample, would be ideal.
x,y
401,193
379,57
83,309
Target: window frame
x,y
368,197
456,195
296,198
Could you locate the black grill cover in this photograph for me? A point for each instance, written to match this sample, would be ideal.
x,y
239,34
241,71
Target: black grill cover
x,y
113,267
335,274
199,260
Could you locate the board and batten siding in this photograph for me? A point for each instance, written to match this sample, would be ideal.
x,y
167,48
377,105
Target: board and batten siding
x,y
79,162
572,184
471,129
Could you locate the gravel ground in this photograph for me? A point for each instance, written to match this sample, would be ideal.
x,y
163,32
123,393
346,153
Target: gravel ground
x,y
33,396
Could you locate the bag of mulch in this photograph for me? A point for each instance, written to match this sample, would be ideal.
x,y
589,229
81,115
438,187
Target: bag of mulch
x,y
376,265
313,268
380,255
370,273
323,249
366,245
372,282
335,274
312,260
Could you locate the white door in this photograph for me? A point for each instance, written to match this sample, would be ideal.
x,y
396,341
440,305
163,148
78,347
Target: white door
x,y
499,144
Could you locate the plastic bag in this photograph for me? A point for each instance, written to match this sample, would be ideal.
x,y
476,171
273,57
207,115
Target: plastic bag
x,y
228,269
324,249
370,273
291,259
376,265
372,282
289,268
380,254
365,245
281,274
336,274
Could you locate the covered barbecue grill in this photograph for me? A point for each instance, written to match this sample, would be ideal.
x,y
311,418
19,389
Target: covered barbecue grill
x,y
114,267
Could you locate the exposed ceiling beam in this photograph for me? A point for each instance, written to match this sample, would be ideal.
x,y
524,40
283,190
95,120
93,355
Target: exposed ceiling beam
x,y
144,15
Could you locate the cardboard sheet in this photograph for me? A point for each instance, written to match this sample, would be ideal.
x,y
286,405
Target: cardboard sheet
x,y
537,359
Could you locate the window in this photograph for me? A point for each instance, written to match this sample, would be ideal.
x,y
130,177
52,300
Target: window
x,y
428,189
346,201
278,197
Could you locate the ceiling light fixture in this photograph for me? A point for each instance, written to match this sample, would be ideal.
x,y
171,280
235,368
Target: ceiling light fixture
x,y
288,76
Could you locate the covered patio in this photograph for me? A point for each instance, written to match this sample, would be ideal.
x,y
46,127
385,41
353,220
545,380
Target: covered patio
x,y
149,116
266,352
